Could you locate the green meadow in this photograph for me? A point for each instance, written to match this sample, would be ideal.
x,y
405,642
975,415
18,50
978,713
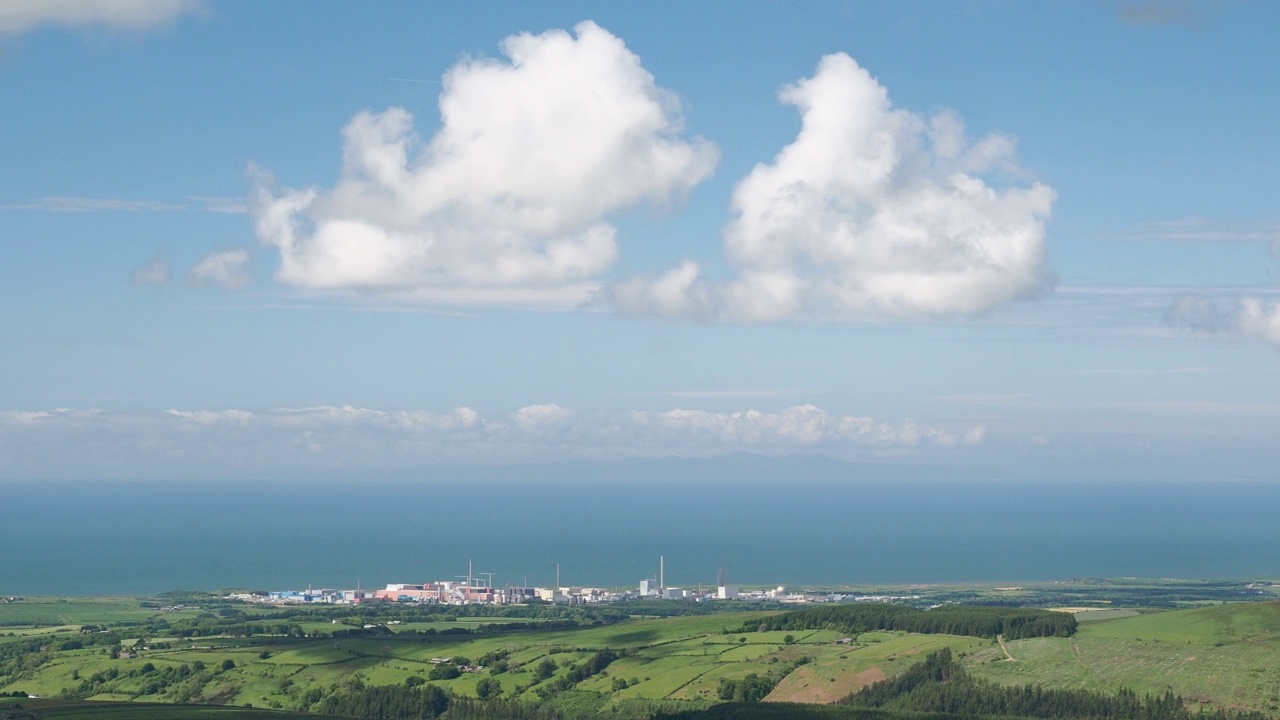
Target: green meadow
x,y
1219,656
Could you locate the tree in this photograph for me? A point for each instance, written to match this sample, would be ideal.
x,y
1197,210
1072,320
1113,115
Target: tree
x,y
228,664
444,672
545,669
488,688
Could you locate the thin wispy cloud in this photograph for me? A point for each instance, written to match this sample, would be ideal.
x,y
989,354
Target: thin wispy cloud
x,y
716,394
17,16
227,205
1160,13
66,204
986,398
1199,230
413,80
1149,371
72,204
1206,407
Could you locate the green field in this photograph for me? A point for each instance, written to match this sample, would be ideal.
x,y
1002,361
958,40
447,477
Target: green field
x,y
62,611
1220,656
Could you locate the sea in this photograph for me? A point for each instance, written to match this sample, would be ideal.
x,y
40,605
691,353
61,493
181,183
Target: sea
x,y
765,523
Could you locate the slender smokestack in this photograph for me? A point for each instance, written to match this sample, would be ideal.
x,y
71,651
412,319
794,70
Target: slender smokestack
x,y
662,578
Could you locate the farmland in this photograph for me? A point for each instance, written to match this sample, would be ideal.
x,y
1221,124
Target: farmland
x,y
662,659
601,665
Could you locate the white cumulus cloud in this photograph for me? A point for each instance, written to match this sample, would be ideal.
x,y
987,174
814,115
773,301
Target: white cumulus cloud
x,y
227,270
18,16
1259,319
534,153
873,211
537,417
1251,317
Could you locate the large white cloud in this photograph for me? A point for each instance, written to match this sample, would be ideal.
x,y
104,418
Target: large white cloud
x,y
21,15
227,440
513,192
872,211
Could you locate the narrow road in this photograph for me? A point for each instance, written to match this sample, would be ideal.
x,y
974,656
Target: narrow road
x,y
1008,655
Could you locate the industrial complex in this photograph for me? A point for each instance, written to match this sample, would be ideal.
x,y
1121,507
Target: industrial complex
x,y
479,589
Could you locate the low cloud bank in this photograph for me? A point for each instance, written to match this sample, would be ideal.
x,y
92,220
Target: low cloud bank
x,y
206,442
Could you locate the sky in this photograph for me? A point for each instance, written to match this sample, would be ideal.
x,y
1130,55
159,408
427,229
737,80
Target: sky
x,y
1036,240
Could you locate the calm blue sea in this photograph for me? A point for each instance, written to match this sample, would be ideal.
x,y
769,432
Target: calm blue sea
x,y
607,525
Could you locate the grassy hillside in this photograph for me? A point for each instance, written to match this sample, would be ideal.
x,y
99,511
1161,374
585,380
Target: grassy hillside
x,y
1221,656
1217,656
664,659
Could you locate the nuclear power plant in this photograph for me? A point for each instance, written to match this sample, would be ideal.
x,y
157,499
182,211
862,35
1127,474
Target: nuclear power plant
x,y
478,588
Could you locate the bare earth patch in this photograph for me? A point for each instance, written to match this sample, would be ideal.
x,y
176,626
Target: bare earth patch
x,y
809,684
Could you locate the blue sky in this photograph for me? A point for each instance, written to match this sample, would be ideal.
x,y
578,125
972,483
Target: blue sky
x,y
257,239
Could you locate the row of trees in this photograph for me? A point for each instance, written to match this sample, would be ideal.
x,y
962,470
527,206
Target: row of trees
x,y
428,701
754,687
239,624
976,621
593,665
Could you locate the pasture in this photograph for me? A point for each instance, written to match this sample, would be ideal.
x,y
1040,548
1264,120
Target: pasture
x,y
43,611
1223,656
